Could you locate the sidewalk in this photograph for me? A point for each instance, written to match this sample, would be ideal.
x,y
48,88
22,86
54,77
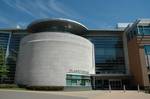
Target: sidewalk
x,y
98,94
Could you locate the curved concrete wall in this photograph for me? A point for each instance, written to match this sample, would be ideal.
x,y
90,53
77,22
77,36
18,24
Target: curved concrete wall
x,y
45,58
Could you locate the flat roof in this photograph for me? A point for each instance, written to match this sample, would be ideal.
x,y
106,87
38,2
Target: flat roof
x,y
138,22
12,29
93,31
107,30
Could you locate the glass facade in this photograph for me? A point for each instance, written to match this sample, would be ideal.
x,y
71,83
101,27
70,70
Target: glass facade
x,y
77,80
4,38
147,55
9,44
144,30
109,56
3,41
139,30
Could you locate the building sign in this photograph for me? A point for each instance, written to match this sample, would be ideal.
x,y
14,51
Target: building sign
x,y
78,71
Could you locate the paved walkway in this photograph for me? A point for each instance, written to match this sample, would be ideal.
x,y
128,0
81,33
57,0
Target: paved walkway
x,y
100,94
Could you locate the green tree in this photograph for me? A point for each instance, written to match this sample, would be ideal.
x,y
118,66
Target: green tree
x,y
3,67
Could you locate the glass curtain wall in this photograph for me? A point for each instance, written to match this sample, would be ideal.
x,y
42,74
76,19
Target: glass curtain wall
x,y
4,39
109,56
147,55
139,30
144,30
77,80
9,45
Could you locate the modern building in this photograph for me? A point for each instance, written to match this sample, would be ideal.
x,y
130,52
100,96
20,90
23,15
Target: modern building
x,y
61,53
110,66
9,47
54,55
138,45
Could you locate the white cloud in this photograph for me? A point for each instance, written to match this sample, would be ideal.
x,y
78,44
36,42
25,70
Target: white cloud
x,y
63,9
40,9
25,7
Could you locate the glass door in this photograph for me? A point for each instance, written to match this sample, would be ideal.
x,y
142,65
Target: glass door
x,y
115,83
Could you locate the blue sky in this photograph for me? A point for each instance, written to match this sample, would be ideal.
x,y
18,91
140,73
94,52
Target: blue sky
x,y
94,14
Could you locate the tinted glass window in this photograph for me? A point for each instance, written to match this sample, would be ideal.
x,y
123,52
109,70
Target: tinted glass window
x,y
144,30
9,43
77,80
109,56
147,55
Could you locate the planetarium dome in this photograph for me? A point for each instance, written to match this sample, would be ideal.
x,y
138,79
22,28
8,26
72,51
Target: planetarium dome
x,y
58,24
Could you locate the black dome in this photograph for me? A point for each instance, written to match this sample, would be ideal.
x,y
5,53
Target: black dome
x,y
57,25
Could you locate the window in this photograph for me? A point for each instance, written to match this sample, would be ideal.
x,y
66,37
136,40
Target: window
x,y
144,30
109,55
147,55
15,38
77,80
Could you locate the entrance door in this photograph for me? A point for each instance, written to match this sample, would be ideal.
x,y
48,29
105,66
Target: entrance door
x,y
115,83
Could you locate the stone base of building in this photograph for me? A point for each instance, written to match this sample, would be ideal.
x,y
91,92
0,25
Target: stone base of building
x,y
53,88
77,88
57,88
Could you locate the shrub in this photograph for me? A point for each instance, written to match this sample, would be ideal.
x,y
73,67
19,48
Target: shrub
x,y
54,88
147,89
8,86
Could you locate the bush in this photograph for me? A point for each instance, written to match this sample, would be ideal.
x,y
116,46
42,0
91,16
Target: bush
x,y
8,86
54,88
147,89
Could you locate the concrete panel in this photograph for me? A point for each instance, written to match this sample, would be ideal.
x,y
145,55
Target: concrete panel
x,y
45,58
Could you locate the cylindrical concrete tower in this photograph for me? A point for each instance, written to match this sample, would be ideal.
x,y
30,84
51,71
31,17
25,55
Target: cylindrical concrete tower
x,y
54,55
